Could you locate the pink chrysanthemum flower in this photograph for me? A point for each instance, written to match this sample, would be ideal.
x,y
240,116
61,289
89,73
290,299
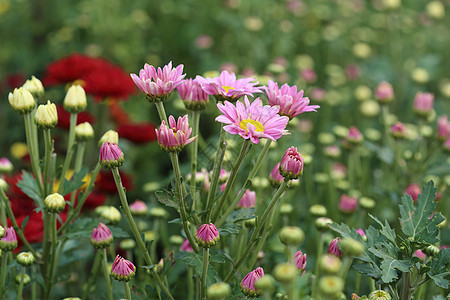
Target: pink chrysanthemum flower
x,y
227,87
413,190
138,208
248,283
291,102
348,204
334,247
9,241
384,92
111,156
252,120
248,200
300,261
443,127
207,235
423,103
192,94
158,84
291,165
5,165
398,130
186,246
122,269
174,137
275,177
101,237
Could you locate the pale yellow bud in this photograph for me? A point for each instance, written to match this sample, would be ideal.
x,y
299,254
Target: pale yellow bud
x,y
391,4
436,10
84,131
111,214
75,100
110,136
46,116
420,75
22,101
370,108
362,50
362,93
54,203
34,86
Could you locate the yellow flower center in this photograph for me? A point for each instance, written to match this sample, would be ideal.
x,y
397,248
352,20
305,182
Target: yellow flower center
x,y
259,126
227,88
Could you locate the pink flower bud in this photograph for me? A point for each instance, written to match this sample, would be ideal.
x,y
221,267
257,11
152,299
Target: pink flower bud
x,y
192,94
248,283
5,165
413,190
423,103
248,200
443,128
291,165
334,248
275,177
207,235
186,246
300,261
384,92
354,136
111,156
361,232
348,204
419,253
101,237
174,137
122,269
9,241
398,130
138,208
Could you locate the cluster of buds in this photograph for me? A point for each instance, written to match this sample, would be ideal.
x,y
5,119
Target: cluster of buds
x,y
207,235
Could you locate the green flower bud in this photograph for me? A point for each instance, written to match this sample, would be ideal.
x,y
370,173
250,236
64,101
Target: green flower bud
x,y
285,273
291,235
26,279
318,210
127,244
2,232
176,240
379,295
265,283
149,235
366,203
75,100
330,264
331,287
351,247
54,203
322,223
158,212
72,298
111,214
22,101
250,223
3,185
321,177
220,290
431,250
84,132
25,258
34,86
286,208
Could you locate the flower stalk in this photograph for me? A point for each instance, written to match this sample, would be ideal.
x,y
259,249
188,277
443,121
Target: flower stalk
x,y
22,276
34,156
70,150
106,273
204,272
195,125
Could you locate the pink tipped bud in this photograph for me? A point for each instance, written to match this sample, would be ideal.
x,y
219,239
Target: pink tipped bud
x,y
9,241
275,177
354,136
419,253
207,235
138,208
348,204
5,165
443,128
111,156
247,200
291,165
300,261
122,269
413,190
398,130
361,233
384,92
423,103
186,246
192,94
248,283
101,237
174,137
334,247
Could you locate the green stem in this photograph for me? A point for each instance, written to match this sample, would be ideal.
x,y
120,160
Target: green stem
x,y
215,177
357,282
19,292
195,124
70,150
262,241
127,290
33,283
91,280
81,147
204,273
52,171
54,242
347,263
161,112
260,223
230,182
406,286
3,275
319,251
183,214
190,279
106,274
372,284
34,157
48,153
135,230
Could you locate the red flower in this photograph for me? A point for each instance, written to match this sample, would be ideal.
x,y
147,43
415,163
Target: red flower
x,y
64,117
106,182
118,114
15,80
68,69
137,133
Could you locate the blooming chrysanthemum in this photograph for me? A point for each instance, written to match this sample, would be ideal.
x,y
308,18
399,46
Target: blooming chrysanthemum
x,y
291,102
174,137
158,84
207,235
122,269
247,200
192,94
227,87
252,120
248,283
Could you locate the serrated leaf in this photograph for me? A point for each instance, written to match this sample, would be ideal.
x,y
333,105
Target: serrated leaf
x,y
389,267
439,268
386,230
82,228
28,185
241,215
229,228
167,198
75,182
195,261
368,269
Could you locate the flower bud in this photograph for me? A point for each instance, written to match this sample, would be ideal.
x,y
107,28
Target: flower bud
x,y
176,240
138,208
248,283
54,203
362,234
250,223
46,116
25,279
291,235
366,203
286,208
219,291
331,287
34,86
111,156
348,204
420,75
25,258
391,4
332,151
9,241
431,250
398,130
275,177
379,295
423,104
436,10
122,269
248,200
110,136
318,210
334,247
354,136
291,165
158,213
384,92
2,232
3,185
5,165
111,214
265,283
300,261
351,247
127,244
101,237
207,235
84,132
75,100
330,264
362,93
186,246
22,101
322,223
285,273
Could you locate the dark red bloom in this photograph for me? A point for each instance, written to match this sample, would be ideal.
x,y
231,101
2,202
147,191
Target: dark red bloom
x,y
69,69
118,114
137,133
106,182
64,117
15,80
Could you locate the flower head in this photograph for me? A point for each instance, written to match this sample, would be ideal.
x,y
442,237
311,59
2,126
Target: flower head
x,y
384,92
101,236
334,247
158,84
354,136
348,204
423,103
22,101
398,130
138,208
291,165
291,102
9,241
111,156
5,165
174,137
110,136
300,261
34,86
84,131
46,115
252,120
413,190
186,246
227,87
207,235
248,283
192,94
122,269
443,127
54,203
247,200
75,100
275,177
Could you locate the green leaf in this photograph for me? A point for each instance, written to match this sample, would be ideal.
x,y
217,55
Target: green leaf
x,y
167,198
386,231
241,215
28,185
368,269
195,261
389,267
439,268
75,182
385,154
229,228
24,223
82,228
415,221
